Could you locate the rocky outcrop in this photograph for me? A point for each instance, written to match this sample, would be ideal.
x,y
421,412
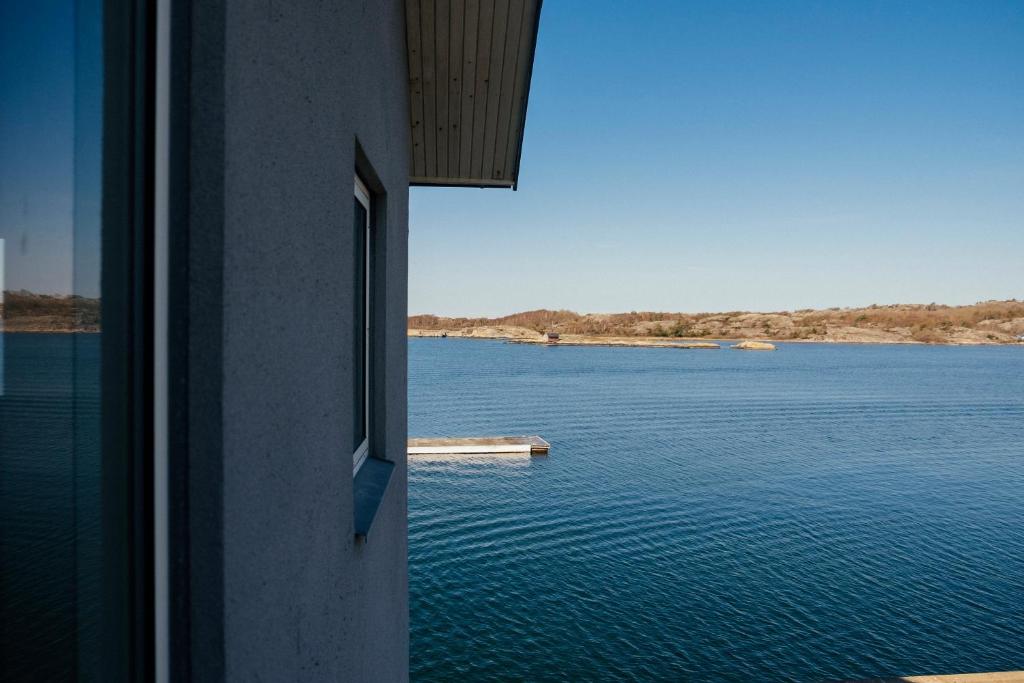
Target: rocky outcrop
x,y
754,346
986,322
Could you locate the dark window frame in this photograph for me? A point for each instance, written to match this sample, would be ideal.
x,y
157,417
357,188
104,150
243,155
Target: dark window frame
x,y
127,344
364,198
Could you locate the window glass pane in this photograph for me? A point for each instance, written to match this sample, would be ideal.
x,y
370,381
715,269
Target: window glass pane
x,y
359,326
50,534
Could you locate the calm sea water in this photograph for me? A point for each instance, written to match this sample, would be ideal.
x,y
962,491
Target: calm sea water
x,y
50,538
818,512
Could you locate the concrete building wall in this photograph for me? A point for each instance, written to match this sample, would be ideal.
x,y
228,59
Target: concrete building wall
x,y
287,99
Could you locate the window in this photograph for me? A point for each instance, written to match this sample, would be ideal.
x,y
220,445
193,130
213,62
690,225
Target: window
x,y
361,325
75,512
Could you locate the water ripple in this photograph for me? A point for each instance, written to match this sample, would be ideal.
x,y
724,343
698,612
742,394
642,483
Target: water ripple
x,y
820,512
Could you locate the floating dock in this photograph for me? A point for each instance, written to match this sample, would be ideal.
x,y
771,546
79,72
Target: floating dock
x,y
480,445
991,677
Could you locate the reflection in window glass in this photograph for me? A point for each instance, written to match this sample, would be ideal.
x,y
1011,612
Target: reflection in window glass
x,y
359,346
50,171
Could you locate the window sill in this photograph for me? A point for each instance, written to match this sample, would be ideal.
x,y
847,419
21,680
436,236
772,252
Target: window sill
x,y
368,489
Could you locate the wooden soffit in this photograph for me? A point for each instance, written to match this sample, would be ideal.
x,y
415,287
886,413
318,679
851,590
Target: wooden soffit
x,y
470,63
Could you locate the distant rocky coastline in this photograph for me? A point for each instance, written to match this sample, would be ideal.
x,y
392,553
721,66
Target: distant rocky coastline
x,y
754,346
988,322
23,311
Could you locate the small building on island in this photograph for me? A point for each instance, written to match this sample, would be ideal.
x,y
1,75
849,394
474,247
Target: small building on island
x,y
552,337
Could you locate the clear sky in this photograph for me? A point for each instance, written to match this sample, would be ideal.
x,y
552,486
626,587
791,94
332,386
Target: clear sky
x,y
702,156
50,136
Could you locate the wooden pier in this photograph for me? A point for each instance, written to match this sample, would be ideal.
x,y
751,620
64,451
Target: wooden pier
x,y
990,677
480,445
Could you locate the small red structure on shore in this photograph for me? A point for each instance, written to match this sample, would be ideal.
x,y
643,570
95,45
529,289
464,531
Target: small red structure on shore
x,y
552,337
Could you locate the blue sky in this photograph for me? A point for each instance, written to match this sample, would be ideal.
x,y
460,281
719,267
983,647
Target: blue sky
x,y
729,155
50,134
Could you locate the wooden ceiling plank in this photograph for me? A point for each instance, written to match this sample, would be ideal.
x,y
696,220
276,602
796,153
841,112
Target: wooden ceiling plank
x,y
458,182
470,66
456,41
443,24
484,36
412,18
429,52
483,69
468,87
499,168
524,70
501,14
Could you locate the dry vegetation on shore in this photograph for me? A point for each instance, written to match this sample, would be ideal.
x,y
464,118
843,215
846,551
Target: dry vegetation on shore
x,y
988,322
29,312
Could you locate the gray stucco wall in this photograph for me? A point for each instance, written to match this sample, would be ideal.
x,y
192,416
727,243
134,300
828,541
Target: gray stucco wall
x,y
286,99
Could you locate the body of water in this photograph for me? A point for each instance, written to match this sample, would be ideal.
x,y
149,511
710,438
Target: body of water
x,y
818,512
51,550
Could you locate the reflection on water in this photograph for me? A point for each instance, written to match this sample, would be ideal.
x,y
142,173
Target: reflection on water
x,y
821,512
50,540
461,462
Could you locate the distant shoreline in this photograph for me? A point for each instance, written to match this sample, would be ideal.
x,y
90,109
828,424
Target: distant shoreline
x,y
982,324
4,330
684,343
33,313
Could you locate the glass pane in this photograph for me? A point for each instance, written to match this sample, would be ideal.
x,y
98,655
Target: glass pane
x,y
359,327
50,535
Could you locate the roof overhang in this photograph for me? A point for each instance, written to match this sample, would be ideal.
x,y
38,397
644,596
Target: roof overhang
x,y
470,63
